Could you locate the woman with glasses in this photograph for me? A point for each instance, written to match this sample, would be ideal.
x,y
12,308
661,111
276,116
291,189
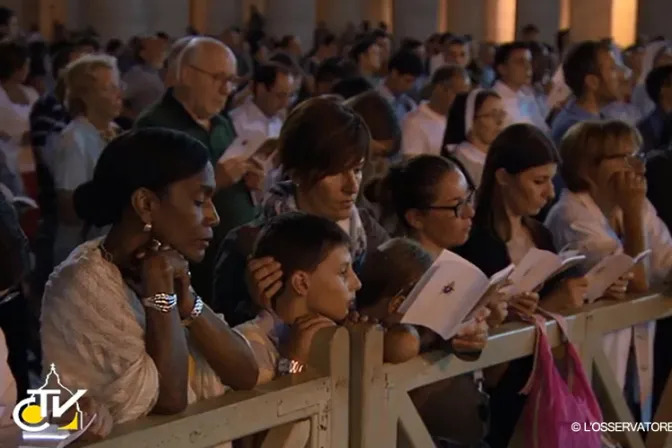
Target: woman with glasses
x,y
605,210
93,100
516,185
474,121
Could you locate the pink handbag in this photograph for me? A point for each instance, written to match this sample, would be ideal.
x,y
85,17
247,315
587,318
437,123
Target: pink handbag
x,y
554,406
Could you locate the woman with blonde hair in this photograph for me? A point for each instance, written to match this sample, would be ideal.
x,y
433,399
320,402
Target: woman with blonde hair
x,y
604,210
93,99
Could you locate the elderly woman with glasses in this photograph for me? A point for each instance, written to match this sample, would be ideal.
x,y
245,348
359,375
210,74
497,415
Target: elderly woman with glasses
x,y
605,210
93,99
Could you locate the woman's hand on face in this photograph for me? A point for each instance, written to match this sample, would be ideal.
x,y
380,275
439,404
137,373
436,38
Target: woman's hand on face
x,y
471,338
619,289
264,279
630,190
525,303
301,337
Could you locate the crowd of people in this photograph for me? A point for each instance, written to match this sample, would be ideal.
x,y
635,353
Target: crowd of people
x,y
209,203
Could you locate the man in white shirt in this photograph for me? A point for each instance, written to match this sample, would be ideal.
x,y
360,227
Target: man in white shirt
x,y
513,63
272,87
454,50
404,68
423,129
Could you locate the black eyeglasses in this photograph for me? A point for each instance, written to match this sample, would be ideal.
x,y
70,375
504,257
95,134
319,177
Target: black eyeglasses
x,y
460,208
218,78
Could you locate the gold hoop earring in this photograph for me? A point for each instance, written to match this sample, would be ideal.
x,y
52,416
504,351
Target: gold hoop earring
x,y
147,228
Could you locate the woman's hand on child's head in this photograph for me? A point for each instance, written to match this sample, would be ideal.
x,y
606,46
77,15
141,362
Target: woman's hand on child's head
x,y
264,279
619,290
525,303
301,337
471,338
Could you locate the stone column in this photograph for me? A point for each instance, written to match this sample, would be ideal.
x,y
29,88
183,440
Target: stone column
x,y
544,14
337,14
654,18
169,16
224,14
295,17
415,18
466,17
376,11
596,19
116,18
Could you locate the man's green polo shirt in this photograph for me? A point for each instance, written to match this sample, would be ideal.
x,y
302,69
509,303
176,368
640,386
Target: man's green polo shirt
x,y
234,204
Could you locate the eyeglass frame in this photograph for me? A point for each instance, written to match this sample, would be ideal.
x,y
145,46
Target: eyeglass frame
x,y
469,200
217,77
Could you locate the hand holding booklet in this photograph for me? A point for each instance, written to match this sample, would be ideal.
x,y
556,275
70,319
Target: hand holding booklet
x,y
538,266
243,147
608,271
451,289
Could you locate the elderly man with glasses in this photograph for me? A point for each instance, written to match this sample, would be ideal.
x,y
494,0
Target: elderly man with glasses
x,y
204,73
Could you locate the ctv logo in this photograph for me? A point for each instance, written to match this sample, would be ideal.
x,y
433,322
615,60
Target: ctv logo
x,y
32,414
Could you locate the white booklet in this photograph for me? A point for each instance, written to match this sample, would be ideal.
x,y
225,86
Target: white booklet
x,y
538,266
608,270
448,293
20,202
243,147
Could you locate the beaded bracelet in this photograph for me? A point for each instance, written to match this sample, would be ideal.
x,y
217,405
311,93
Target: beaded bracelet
x,y
161,302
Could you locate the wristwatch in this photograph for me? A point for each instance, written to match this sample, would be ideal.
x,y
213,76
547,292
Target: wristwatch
x,y
161,302
289,367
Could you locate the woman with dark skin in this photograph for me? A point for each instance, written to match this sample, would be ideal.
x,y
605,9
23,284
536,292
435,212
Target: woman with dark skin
x,y
138,338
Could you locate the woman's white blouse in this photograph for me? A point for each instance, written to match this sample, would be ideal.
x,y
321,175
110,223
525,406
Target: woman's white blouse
x,y
576,222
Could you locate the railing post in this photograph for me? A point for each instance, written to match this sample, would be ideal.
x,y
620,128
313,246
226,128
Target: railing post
x,y
367,391
334,362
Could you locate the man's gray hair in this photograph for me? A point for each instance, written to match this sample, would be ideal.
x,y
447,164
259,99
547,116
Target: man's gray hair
x,y
190,49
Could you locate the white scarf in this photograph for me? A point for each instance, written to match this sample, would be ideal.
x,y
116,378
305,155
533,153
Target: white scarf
x,y
93,330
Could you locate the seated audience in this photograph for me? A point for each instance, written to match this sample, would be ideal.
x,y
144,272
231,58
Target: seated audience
x,y
513,63
516,184
388,276
431,201
262,116
48,118
656,54
385,133
119,317
323,147
349,87
205,71
603,210
144,85
475,120
319,287
656,128
328,73
423,129
591,73
93,100
658,169
403,69
14,267
16,101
